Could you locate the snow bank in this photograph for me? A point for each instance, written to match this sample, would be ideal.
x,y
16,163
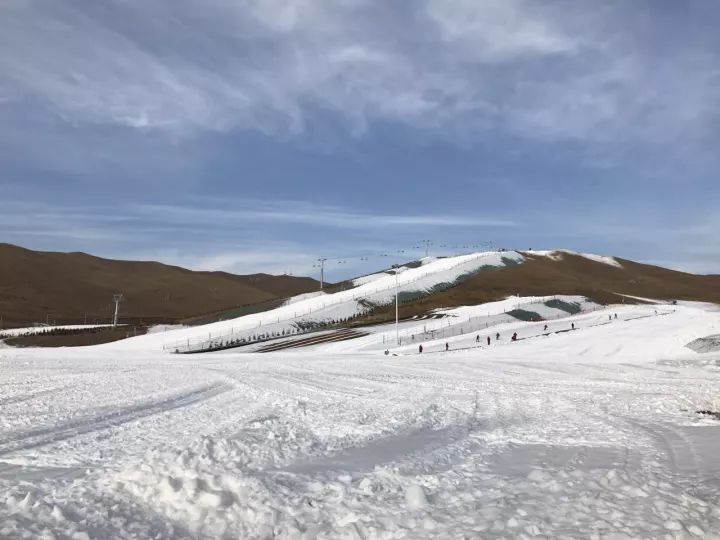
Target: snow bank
x,y
304,296
32,330
159,328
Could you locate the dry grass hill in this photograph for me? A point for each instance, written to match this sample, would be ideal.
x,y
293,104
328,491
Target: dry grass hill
x,y
69,288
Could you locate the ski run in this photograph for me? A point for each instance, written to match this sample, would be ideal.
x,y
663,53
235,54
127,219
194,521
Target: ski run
x,y
589,428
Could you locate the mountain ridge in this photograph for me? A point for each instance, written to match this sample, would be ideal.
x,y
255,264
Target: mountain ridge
x,y
39,286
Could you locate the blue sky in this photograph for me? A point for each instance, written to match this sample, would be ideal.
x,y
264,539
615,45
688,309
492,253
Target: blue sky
x,y
258,135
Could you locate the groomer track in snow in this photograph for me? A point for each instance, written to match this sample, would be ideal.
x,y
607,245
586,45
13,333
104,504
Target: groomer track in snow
x,y
591,433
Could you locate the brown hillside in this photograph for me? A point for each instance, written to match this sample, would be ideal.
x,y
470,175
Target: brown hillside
x,y
571,274
67,287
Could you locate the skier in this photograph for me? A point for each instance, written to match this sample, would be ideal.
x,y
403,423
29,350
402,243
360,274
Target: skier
x,y
572,326
447,347
477,339
545,329
488,339
616,315
610,317
514,336
497,336
420,349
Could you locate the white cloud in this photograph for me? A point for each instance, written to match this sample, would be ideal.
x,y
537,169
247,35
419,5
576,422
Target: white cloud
x,y
499,30
549,70
276,258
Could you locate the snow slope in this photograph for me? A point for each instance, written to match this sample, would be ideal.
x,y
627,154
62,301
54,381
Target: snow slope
x,y
362,280
323,308
589,433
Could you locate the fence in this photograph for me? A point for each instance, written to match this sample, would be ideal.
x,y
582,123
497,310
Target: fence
x,y
658,313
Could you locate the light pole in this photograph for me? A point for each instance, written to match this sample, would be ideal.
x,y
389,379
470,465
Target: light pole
x,y
117,298
322,260
397,328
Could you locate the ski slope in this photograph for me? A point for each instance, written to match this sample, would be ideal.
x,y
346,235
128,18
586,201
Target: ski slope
x,y
312,309
590,433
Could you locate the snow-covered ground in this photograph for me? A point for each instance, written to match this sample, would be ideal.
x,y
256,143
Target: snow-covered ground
x,y
591,433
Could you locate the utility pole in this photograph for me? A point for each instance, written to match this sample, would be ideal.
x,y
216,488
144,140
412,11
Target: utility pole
x,y
397,328
322,260
117,298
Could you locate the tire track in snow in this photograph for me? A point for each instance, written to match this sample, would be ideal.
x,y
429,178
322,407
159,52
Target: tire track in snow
x,y
74,428
27,397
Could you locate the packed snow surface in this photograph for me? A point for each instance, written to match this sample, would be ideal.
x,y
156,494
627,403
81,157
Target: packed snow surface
x,y
585,433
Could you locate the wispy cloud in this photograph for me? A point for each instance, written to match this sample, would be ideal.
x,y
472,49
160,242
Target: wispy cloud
x,y
288,212
122,220
241,258
549,70
153,101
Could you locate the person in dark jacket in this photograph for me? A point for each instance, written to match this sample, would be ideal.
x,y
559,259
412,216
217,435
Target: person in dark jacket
x,y
420,349
488,339
514,336
447,347
497,336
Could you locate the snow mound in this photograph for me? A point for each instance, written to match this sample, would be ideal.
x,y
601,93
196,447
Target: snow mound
x,y
705,344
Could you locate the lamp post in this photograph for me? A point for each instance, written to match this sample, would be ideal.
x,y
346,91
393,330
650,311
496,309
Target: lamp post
x,y
321,264
397,328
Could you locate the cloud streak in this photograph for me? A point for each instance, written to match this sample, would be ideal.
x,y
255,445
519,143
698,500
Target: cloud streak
x,y
105,222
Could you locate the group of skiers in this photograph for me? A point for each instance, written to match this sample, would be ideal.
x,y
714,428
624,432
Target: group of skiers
x,y
497,335
513,338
